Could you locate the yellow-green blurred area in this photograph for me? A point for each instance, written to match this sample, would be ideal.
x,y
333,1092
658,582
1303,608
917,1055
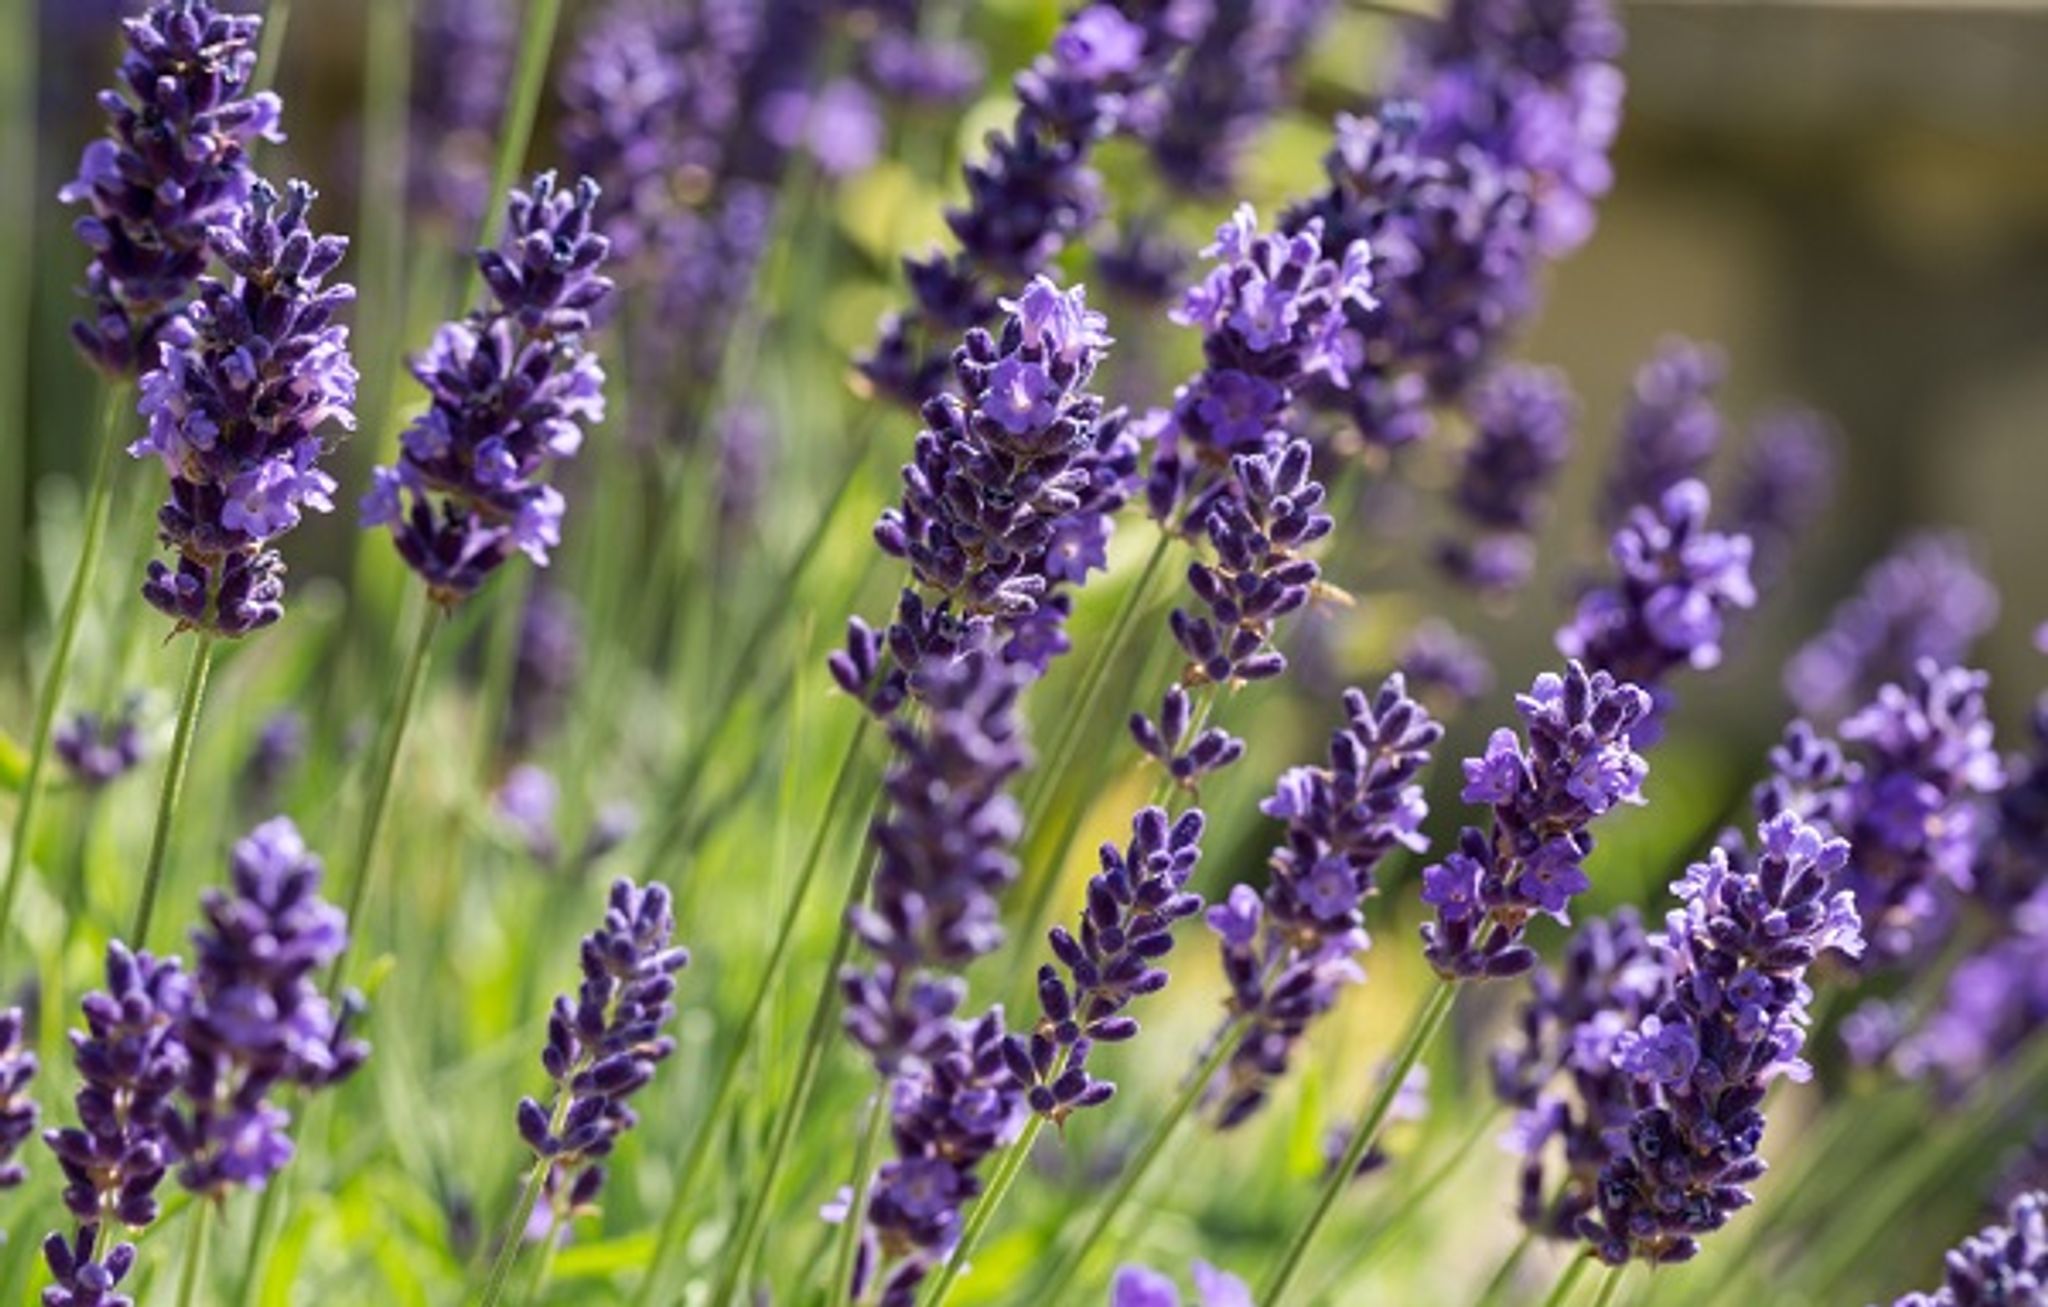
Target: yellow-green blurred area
x,y
1851,199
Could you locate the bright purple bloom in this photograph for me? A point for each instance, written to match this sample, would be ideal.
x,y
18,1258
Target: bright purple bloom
x,y
1521,433
604,1043
1999,1265
77,1280
97,750
1289,953
1141,1286
511,389
1732,1019
1670,429
248,375
1577,763
1126,931
172,170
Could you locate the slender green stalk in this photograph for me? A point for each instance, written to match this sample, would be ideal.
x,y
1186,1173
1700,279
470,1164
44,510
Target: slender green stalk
x,y
277,16
363,864
544,1265
1505,1275
984,1211
1427,1022
195,1254
761,1194
840,1290
1561,1292
18,77
515,131
189,702
743,1038
59,670
1223,1046
259,1240
1611,1285
522,1213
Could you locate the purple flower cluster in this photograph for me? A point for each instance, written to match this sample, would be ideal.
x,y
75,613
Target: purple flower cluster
x,y
511,388
1141,1286
172,169
920,71
1222,92
2000,1265
1577,764
604,1043
1732,1019
1271,313
97,750
1521,434
17,1105
1558,1073
247,377
1126,931
1289,952
1035,189
461,74
1927,599
1444,669
955,1106
1670,428
78,1278
944,855
1995,1001
1668,606
1785,481
255,1019
1188,750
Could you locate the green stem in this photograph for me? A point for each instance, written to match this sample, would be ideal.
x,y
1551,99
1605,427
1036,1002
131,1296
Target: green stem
x,y
1561,1292
1223,1047
515,132
1611,1285
259,1243
984,1211
522,1213
840,1290
762,1193
59,670
743,1038
391,746
189,701
544,1265
1427,1022
1505,1275
195,1254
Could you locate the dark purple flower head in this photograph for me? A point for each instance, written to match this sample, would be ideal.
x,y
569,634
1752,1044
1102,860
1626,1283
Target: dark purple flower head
x,y
1124,935
1809,778
1220,96
1576,764
1786,480
17,1105
1929,598
1289,952
77,1279
2000,1265
511,389
131,1060
1521,433
172,170
1187,749
605,1041
1668,606
97,750
1733,1018
1671,427
257,1019
247,378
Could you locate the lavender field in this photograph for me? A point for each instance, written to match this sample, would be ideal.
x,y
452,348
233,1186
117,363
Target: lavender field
x,y
913,652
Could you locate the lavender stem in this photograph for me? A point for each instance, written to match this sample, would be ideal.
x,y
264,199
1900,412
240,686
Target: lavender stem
x,y
1611,1286
1561,1292
984,1211
189,701
195,1252
58,673
848,1240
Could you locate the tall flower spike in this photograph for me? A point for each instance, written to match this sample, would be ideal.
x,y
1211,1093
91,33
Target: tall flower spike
x,y
17,1104
1222,93
1994,1002
1670,429
1999,1265
1577,764
1733,1019
1289,952
256,1019
604,1043
512,388
172,168
78,1278
130,1059
1126,931
248,377
1521,433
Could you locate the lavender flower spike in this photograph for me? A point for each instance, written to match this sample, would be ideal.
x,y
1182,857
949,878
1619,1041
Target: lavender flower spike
x,y
172,169
256,1020
1733,1019
246,381
1126,933
1522,420
80,1280
17,1104
1999,1266
1577,764
604,1044
511,388
1671,427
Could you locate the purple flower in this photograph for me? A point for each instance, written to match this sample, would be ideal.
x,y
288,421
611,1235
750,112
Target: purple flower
x,y
1733,1017
1576,764
924,72
1671,427
1445,670
78,1279
1141,1286
248,375
604,1043
1225,89
172,170
511,388
1995,1000
1521,433
1125,933
98,751
526,800
1289,952
1186,751
1786,479
17,1105
461,75
1998,1265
